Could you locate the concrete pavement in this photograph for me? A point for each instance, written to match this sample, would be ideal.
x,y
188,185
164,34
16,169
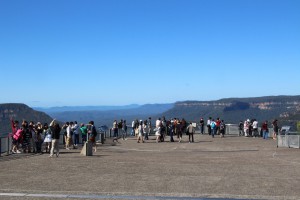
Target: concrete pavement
x,y
228,168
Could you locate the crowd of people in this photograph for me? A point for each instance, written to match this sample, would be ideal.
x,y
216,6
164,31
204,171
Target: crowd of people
x,y
30,137
43,138
250,128
174,127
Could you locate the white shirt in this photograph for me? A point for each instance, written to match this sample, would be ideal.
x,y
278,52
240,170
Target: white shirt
x,y
157,123
75,127
255,124
208,122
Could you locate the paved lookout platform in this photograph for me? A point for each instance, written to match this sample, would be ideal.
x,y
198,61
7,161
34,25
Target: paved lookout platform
x,y
210,168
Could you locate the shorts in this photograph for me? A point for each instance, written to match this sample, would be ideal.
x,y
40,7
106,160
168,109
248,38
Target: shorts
x,y
15,142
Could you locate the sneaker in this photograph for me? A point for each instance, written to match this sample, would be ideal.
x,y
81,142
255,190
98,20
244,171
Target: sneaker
x,y
50,156
67,148
13,152
18,151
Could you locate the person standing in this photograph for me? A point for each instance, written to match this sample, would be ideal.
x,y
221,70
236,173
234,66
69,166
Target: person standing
x,y
255,128
27,136
275,129
69,136
64,128
92,134
208,124
246,127
120,126
171,130
55,134
75,133
218,122
146,130
124,130
132,125
213,126
265,130
140,134
222,128
158,129
201,125
179,130
191,131
115,129
16,136
48,138
150,126
38,137
83,130
241,127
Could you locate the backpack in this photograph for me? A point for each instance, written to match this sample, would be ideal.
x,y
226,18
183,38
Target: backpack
x,y
213,125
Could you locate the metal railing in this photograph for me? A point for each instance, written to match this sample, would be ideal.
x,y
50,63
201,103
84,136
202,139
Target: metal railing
x,y
291,140
5,145
231,129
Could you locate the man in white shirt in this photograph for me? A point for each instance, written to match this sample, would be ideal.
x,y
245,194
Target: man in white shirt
x,y
208,125
255,128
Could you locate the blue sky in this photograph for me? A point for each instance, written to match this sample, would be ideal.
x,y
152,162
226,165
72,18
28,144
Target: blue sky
x,y
119,52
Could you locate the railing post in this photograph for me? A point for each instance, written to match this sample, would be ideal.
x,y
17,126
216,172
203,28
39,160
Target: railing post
x,y
0,146
7,152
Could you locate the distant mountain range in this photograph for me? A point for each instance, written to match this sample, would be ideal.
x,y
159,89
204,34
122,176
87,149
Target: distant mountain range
x,y
84,108
19,112
232,110
284,108
106,115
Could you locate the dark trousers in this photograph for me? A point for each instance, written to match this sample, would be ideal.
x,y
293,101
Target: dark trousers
x,y
76,139
191,135
83,139
202,129
209,129
171,136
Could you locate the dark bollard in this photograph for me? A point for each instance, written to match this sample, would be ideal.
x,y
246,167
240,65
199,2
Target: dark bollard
x,y
102,138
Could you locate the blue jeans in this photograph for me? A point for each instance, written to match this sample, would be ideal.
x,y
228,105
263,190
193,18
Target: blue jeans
x,y
265,134
213,132
202,129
